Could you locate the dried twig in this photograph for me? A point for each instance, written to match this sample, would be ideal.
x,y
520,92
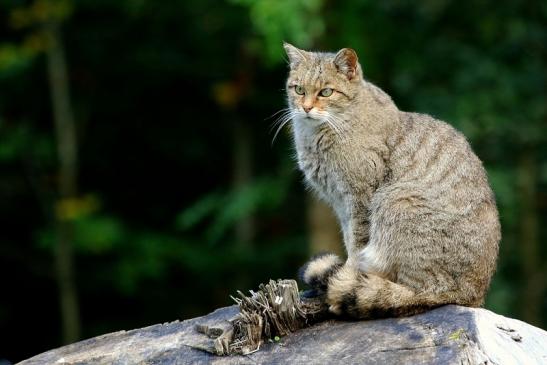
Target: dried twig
x,y
276,309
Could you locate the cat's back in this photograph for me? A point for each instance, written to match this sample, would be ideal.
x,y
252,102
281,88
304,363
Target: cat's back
x,y
432,154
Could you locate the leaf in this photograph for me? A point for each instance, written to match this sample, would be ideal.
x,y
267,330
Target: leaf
x,y
198,211
98,234
75,208
456,335
276,21
226,209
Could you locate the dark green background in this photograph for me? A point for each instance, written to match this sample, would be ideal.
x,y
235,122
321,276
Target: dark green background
x,y
172,101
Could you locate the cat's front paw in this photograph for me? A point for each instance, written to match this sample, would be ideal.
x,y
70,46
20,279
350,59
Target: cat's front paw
x,y
319,269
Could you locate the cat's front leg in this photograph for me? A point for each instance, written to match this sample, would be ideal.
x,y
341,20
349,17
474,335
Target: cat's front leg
x,y
355,231
320,268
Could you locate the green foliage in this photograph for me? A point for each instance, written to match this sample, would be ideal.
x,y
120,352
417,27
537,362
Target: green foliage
x,y
226,209
98,234
16,140
16,57
21,141
93,235
275,21
13,59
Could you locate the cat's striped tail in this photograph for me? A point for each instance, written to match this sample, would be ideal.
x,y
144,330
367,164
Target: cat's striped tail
x,y
357,294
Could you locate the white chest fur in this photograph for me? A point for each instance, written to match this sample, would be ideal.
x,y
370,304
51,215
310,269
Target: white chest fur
x,y
320,170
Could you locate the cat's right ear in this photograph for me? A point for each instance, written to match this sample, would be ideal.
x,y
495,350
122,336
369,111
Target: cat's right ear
x,y
346,62
296,56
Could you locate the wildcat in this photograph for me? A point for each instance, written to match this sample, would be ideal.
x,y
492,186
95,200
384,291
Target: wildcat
x,y
418,217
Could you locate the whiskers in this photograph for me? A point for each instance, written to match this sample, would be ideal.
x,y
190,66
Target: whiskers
x,y
336,124
284,116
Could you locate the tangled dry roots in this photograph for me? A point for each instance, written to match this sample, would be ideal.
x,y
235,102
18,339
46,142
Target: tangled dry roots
x,y
276,309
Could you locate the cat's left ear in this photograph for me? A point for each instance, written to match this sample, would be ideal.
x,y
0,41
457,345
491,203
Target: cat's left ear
x,y
346,62
295,55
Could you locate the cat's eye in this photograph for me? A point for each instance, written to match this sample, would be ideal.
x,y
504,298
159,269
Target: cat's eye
x,y
299,90
326,92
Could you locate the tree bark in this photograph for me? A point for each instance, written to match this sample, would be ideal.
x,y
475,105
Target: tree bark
x,y
66,141
242,162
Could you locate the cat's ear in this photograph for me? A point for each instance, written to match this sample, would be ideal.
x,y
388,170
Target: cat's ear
x,y
346,62
295,55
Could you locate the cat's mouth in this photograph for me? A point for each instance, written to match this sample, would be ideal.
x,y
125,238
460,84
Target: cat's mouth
x,y
311,120
310,117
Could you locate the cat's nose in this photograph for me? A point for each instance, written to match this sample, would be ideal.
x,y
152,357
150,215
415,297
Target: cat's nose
x,y
307,108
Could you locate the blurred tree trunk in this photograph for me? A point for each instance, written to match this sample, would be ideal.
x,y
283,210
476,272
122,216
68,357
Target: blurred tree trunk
x,y
323,228
65,134
242,162
529,239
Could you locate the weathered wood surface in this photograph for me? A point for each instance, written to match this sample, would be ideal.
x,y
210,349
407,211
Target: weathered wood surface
x,y
446,335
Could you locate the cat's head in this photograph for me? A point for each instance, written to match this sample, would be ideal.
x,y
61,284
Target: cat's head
x,y
322,85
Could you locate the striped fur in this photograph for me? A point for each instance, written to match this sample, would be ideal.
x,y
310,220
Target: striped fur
x,y
319,269
418,217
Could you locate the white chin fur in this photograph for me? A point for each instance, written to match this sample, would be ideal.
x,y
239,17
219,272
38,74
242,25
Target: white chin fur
x,y
312,119
305,125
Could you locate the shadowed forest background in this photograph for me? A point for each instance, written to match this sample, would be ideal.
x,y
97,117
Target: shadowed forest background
x,y
138,181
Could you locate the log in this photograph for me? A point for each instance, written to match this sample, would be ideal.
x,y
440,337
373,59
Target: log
x,y
447,335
